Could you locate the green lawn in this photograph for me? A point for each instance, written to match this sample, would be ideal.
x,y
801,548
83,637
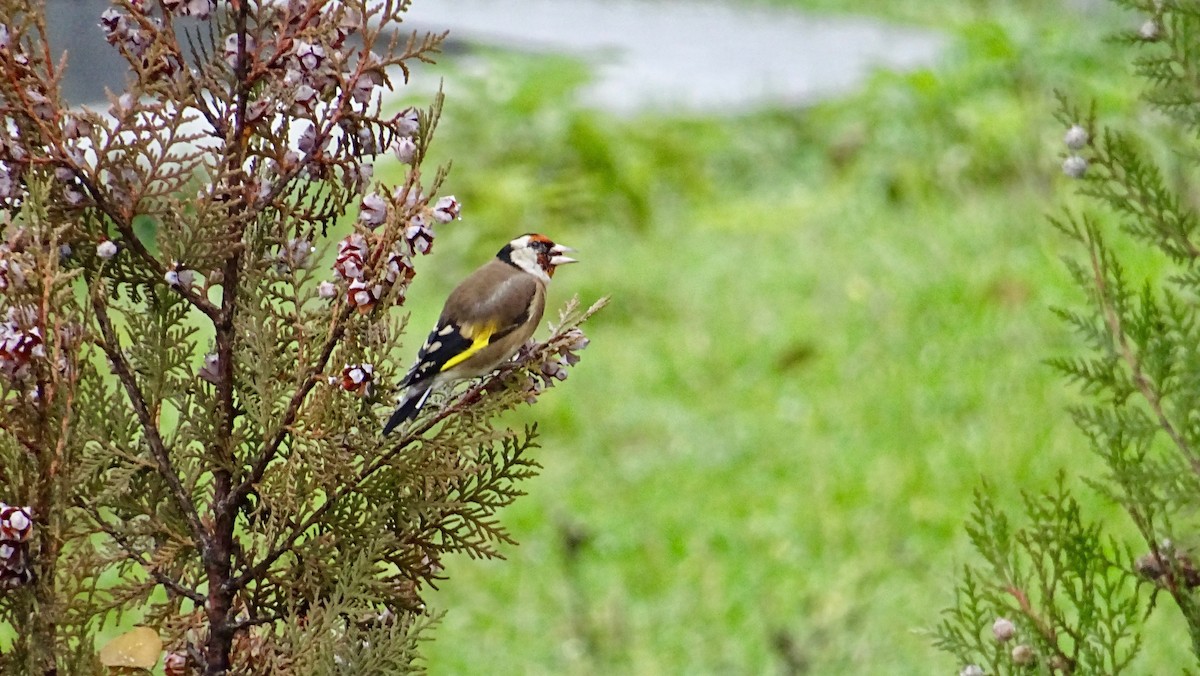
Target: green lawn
x,y
827,325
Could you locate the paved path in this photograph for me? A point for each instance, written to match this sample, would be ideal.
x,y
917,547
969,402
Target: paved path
x,y
702,55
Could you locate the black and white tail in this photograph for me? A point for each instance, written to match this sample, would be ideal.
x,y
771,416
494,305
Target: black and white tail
x,y
414,399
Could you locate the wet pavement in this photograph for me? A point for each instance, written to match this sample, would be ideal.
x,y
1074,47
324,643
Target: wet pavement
x,y
701,56
646,54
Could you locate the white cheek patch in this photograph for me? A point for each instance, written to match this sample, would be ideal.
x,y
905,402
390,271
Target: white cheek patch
x,y
527,260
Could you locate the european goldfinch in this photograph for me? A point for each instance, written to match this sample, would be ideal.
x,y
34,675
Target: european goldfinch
x,y
486,319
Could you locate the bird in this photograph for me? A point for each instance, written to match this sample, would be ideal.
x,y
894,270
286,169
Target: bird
x,y
485,320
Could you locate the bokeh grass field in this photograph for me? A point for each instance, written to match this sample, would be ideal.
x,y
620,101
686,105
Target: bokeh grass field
x,y
827,326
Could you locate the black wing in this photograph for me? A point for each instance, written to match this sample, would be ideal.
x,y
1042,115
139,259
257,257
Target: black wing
x,y
444,343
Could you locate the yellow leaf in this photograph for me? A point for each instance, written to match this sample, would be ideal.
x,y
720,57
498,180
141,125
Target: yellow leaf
x,y
138,648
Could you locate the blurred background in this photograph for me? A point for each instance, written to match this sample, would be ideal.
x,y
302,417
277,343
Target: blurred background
x,y
823,226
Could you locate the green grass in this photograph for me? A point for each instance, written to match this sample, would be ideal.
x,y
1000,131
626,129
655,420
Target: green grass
x,y
827,325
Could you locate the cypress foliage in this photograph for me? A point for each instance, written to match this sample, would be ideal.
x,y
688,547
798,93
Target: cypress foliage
x,y
1062,594
189,433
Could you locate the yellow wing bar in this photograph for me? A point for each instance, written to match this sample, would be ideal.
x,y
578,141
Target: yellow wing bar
x,y
482,338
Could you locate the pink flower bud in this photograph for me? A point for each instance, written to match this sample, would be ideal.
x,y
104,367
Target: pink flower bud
x,y
231,49
175,664
1023,655
1076,137
13,580
295,253
373,210
43,108
365,86
447,209
1149,31
1003,629
15,523
407,122
201,9
179,277
112,21
208,372
361,296
12,273
358,378
308,141
1075,166
399,268
357,177
12,556
304,97
419,235
76,127
405,149
310,56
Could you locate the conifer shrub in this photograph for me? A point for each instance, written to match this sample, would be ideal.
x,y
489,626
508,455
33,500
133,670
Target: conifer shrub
x,y
191,386
1058,592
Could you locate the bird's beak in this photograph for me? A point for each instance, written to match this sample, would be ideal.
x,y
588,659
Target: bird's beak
x,y
557,257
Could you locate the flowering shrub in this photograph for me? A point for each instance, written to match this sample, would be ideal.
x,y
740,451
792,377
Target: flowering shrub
x,y
190,398
15,529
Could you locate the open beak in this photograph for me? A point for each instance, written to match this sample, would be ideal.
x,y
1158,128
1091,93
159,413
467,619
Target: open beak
x,y
557,257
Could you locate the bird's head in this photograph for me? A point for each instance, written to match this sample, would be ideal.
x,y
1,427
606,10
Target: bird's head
x,y
536,254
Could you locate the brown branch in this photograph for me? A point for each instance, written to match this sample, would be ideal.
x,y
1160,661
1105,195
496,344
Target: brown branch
x,y
121,220
1043,626
112,348
271,448
240,71
46,492
72,373
30,447
125,228
1130,357
254,621
465,399
162,578
285,545
219,555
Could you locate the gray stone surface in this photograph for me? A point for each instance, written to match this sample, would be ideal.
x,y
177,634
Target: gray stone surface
x,y
701,56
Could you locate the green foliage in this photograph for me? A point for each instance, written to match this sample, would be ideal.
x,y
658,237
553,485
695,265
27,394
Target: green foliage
x,y
1069,590
179,410
952,14
1141,377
